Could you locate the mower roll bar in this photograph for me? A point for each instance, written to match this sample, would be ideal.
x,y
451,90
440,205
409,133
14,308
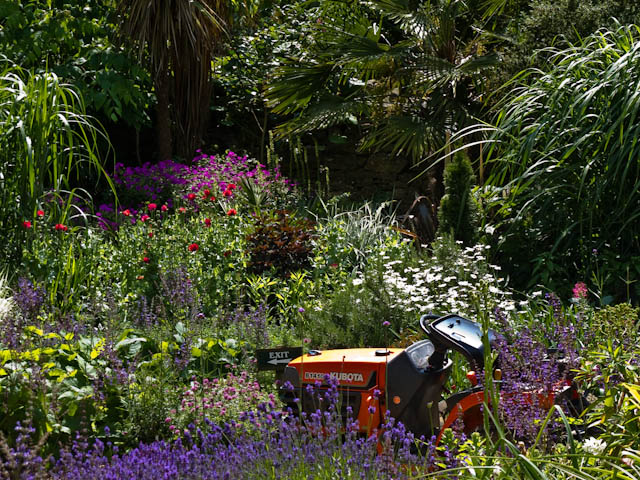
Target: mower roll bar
x,y
457,333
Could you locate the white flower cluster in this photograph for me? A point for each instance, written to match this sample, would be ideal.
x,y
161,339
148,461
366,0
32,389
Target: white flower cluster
x,y
594,446
458,284
6,302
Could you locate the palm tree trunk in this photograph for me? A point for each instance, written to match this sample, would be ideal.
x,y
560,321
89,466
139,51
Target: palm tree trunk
x,y
163,117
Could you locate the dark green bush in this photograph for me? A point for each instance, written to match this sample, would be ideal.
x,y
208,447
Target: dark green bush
x,y
458,213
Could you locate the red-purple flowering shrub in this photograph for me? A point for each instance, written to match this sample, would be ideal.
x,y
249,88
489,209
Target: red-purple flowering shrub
x,y
145,187
147,183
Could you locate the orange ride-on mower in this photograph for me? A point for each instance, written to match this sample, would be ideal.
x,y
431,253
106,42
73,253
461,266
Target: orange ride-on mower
x,y
406,383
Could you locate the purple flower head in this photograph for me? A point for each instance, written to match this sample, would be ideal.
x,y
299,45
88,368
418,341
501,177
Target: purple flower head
x,y
29,298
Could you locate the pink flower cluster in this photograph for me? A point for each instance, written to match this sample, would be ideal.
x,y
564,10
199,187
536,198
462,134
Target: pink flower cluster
x,y
580,291
218,399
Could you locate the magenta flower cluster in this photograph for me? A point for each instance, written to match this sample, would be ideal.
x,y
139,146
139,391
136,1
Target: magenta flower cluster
x,y
205,179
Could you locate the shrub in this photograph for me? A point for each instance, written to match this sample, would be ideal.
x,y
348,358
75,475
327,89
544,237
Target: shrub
x,y
618,322
458,213
280,242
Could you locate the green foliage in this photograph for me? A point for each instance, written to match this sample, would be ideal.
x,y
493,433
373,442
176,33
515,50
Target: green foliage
x,y
544,23
74,41
53,373
213,273
46,142
617,321
458,214
280,242
127,382
567,162
404,73
62,260
353,316
610,370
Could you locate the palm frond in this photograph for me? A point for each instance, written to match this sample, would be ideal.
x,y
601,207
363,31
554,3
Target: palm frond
x,y
295,84
411,136
329,111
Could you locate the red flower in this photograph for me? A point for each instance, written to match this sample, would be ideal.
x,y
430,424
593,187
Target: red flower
x,y
206,193
126,212
60,226
231,186
212,198
232,211
150,234
145,217
152,207
191,196
194,247
182,209
164,208
26,224
227,253
227,193
207,222
145,259
40,213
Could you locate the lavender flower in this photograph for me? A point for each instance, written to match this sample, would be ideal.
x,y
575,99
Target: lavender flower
x,y
29,298
267,443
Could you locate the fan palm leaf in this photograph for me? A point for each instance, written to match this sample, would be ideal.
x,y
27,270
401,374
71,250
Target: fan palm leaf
x,y
394,88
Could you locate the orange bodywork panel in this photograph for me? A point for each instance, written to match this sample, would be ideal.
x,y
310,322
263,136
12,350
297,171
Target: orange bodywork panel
x,y
358,371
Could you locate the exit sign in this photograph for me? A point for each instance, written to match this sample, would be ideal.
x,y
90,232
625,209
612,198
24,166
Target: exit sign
x,y
276,358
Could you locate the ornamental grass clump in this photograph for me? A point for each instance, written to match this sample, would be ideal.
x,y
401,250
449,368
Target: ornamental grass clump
x,y
565,163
